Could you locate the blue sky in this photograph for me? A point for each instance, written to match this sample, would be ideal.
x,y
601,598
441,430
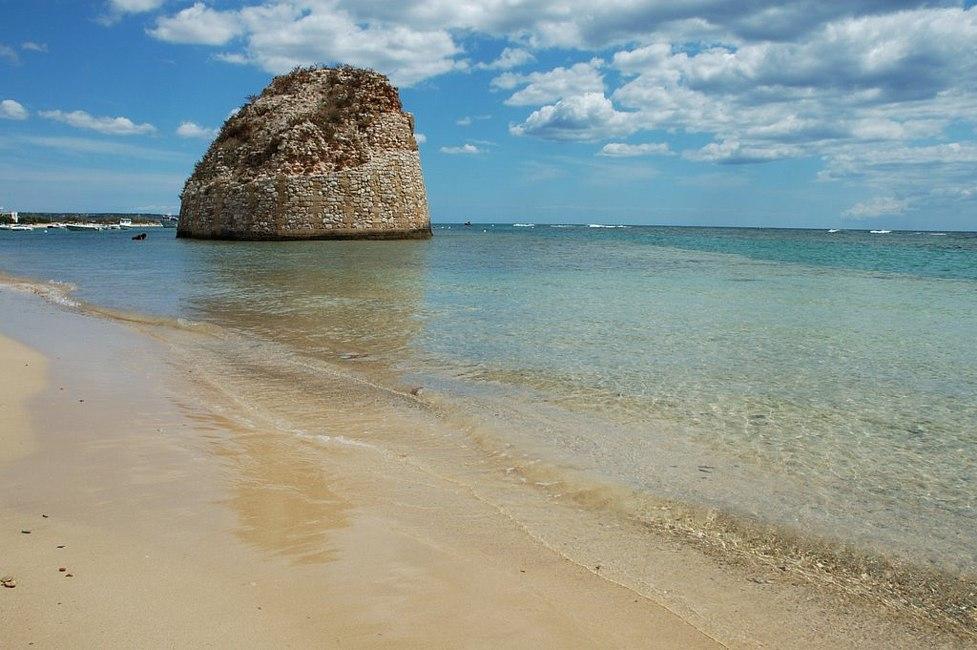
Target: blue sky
x,y
857,114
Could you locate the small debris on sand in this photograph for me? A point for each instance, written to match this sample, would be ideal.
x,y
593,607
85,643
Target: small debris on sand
x,y
25,531
8,582
62,569
416,390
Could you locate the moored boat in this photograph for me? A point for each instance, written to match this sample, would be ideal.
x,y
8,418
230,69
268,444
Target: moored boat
x,y
84,227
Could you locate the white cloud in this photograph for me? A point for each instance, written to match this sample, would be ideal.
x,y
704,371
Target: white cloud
x,y
877,207
8,54
420,138
465,149
135,6
558,83
468,120
12,110
511,57
233,57
198,24
281,34
31,46
107,125
117,9
194,130
735,153
583,117
763,80
623,150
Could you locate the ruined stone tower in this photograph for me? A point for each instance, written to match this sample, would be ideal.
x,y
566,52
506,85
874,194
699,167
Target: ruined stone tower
x,y
322,153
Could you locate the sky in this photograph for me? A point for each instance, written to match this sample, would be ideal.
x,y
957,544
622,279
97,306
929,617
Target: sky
x,y
799,113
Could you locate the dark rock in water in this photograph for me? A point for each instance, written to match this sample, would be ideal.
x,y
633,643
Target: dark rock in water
x,y
141,236
321,153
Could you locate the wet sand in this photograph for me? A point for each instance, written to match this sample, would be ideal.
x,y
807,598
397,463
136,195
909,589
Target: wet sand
x,y
188,511
178,526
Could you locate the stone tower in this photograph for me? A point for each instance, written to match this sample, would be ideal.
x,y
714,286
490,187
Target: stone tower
x,y
322,153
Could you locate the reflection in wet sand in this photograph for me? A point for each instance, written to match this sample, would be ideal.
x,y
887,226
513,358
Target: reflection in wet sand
x,y
279,492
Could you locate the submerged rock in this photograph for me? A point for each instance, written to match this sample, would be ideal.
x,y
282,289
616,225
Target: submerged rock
x,y
321,153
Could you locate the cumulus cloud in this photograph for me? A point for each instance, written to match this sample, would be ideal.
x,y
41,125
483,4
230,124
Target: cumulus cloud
x,y
733,152
877,207
31,46
623,150
12,110
107,125
586,117
589,25
891,76
279,35
545,87
763,80
198,24
420,138
511,57
115,10
465,149
194,130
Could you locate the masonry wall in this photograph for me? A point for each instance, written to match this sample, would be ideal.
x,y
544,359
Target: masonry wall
x,y
298,163
381,199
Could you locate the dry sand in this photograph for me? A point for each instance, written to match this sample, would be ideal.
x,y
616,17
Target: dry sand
x,y
177,528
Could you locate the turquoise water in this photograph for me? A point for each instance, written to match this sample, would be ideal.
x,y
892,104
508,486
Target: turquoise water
x,y
821,381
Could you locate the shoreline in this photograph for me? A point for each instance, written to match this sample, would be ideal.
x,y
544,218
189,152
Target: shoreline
x,y
178,525
697,594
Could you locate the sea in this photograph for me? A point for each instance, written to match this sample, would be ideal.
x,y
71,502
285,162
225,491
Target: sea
x,y
819,386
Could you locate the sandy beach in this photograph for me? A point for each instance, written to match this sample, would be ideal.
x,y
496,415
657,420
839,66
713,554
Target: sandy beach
x,y
144,505
175,528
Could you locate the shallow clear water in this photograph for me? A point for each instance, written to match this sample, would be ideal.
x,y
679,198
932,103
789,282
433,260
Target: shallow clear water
x,y
825,381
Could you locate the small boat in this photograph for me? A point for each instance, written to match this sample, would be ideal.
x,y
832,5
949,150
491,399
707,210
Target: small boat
x,y
468,223
169,221
16,226
125,224
833,230
880,232
84,227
